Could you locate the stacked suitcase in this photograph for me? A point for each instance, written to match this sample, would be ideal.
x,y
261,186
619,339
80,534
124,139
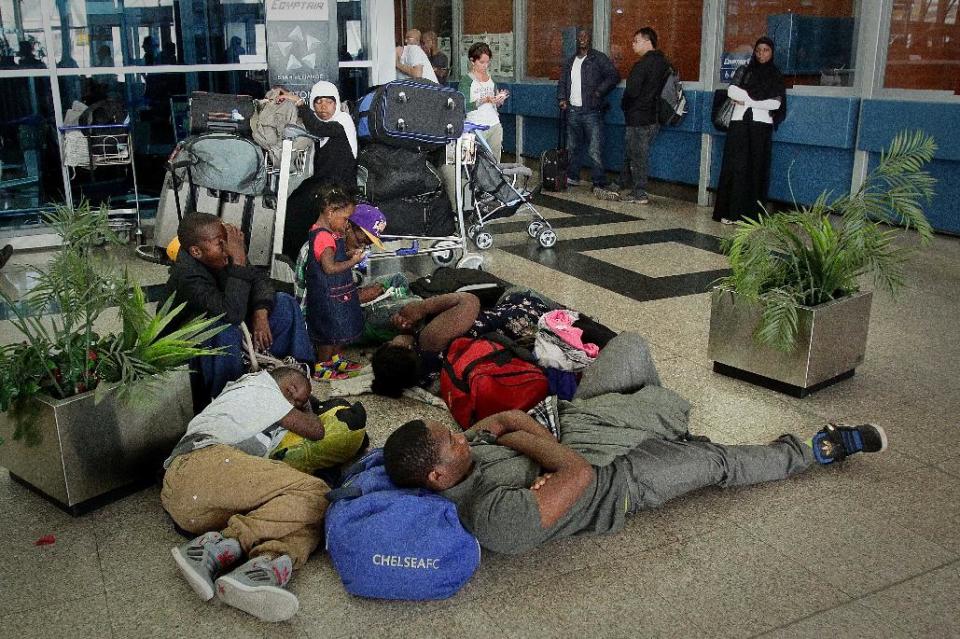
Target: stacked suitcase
x,y
402,123
251,209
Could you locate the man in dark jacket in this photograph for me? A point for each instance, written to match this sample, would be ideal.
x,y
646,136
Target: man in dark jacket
x,y
586,79
640,103
211,276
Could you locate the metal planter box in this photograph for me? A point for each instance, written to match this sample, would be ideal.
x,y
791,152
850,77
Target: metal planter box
x,y
831,343
91,451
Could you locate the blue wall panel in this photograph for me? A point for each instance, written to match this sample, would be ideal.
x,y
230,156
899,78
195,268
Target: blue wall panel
x,y
809,170
813,149
883,119
943,212
509,123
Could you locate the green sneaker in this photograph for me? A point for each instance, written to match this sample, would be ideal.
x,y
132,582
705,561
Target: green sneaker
x,y
257,588
202,558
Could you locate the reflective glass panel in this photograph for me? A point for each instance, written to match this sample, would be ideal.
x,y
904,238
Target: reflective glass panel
x,y
30,173
151,32
23,45
924,51
677,23
814,38
552,34
492,22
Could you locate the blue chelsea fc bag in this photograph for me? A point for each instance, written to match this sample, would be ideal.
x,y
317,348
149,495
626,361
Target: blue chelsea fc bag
x,y
396,543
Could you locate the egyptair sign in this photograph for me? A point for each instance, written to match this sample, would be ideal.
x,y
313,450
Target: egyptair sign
x,y
301,43
297,10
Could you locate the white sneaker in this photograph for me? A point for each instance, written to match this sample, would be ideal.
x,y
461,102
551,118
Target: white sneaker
x,y
201,558
257,588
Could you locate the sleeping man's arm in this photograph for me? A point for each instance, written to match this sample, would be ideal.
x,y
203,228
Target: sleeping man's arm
x,y
570,473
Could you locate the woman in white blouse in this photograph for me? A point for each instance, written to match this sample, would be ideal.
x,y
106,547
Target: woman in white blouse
x,y
760,100
482,98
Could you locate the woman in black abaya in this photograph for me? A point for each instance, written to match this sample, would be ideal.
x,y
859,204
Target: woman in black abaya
x,y
760,100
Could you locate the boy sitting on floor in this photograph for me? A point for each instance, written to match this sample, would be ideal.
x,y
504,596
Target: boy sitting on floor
x,y
211,276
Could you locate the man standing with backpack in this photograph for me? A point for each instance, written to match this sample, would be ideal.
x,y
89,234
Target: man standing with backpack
x,y
641,104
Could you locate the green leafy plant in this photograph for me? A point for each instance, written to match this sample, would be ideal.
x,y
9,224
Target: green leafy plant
x,y
60,354
815,254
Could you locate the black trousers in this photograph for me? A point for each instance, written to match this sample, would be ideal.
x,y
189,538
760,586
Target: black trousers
x,y
745,173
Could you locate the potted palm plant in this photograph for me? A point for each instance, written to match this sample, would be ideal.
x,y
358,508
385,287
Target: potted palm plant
x,y
791,315
84,414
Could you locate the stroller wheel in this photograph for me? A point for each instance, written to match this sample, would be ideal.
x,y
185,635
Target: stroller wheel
x,y
472,231
473,261
547,238
447,257
534,228
484,240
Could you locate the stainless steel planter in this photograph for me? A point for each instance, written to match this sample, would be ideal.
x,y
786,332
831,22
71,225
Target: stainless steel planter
x,y
831,343
89,449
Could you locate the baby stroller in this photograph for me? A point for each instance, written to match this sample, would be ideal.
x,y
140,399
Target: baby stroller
x,y
498,191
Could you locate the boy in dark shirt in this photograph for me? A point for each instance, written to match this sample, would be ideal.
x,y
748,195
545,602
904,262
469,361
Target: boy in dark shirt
x,y
212,277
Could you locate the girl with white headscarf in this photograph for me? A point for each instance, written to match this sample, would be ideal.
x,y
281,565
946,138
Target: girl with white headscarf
x,y
334,162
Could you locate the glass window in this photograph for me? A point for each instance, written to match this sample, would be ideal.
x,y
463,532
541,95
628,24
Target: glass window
x,y
552,34
30,173
150,32
435,16
492,22
353,37
814,38
924,51
23,45
677,23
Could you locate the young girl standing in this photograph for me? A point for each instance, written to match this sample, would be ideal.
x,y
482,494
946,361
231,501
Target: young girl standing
x,y
334,316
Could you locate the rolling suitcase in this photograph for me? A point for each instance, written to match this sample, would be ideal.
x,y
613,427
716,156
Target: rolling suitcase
x,y
220,112
554,162
253,214
412,114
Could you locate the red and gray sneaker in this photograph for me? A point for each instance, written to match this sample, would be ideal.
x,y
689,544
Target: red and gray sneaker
x,y
257,588
835,442
202,558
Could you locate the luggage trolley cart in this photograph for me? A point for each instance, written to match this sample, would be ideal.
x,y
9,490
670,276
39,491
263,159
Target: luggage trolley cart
x,y
106,145
442,250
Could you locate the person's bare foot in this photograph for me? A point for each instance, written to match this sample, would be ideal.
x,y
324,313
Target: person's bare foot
x,y
5,254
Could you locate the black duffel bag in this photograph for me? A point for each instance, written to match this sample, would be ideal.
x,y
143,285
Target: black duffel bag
x,y
427,215
394,173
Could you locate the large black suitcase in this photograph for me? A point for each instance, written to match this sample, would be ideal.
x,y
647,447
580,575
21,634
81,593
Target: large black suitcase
x,y
554,162
393,172
427,215
220,112
413,114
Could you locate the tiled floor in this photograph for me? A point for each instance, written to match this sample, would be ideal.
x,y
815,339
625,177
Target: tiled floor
x,y
868,549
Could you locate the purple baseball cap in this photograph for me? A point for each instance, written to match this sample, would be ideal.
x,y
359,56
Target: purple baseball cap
x,y
371,221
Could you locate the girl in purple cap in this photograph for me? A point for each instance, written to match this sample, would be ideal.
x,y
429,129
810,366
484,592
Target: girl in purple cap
x,y
334,317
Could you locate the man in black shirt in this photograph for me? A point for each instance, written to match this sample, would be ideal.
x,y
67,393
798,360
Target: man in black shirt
x,y
640,104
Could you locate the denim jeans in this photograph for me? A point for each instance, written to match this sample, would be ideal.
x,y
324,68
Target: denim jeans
x,y
636,161
585,133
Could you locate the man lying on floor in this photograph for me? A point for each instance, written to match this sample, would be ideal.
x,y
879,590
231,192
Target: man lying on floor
x,y
624,447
